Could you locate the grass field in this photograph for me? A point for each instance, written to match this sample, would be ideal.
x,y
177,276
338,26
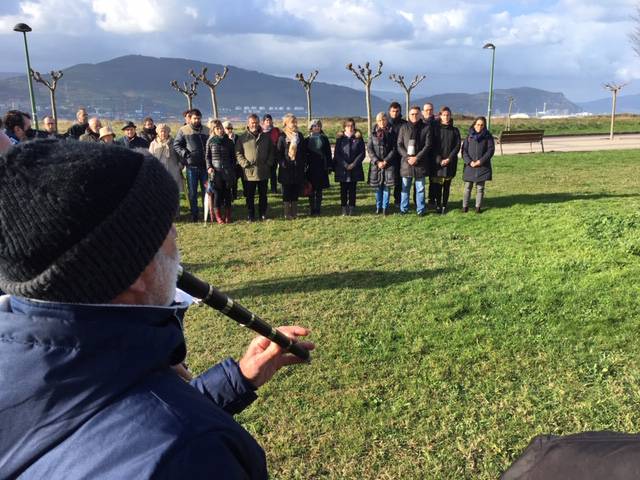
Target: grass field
x,y
444,343
555,126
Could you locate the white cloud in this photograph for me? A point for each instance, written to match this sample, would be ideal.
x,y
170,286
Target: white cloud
x,y
450,21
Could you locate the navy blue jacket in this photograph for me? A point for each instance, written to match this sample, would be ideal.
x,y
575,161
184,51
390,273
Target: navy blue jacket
x,y
87,392
349,151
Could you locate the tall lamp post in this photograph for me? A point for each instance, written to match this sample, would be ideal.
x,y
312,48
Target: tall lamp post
x,y
24,28
492,47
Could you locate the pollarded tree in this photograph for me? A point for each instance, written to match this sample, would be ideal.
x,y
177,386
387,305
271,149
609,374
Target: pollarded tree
x,y
366,76
399,79
212,84
189,90
51,85
306,83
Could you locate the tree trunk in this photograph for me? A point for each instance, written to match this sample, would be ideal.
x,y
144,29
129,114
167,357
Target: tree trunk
x,y
613,113
189,102
367,89
308,90
54,112
407,102
214,103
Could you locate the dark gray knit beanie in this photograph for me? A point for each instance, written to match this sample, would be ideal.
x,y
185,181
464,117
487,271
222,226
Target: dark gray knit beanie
x,y
79,222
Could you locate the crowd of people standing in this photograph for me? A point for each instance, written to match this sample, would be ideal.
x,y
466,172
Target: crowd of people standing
x,y
418,155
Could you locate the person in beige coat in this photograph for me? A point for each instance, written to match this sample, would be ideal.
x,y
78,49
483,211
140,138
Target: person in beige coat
x,y
255,154
162,148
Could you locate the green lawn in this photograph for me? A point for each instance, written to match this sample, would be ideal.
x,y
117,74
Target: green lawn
x,y
444,343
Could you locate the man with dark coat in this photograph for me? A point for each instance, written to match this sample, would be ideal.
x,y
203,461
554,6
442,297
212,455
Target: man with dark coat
x,y
92,134
91,335
274,135
78,128
395,122
415,141
50,129
429,117
131,138
191,146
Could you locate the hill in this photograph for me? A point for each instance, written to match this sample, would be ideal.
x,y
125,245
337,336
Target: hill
x,y
134,85
526,100
624,104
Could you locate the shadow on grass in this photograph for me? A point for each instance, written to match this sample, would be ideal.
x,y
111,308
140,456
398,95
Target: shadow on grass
x,y
353,280
542,198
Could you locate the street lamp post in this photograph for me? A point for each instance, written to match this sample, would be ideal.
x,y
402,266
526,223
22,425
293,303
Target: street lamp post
x,y
492,47
24,28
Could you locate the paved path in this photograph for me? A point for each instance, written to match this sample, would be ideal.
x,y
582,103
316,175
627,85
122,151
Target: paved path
x,y
575,144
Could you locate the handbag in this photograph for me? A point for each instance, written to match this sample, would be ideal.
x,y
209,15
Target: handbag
x,y
308,188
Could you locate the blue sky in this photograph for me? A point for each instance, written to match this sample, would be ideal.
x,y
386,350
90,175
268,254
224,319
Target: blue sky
x,y
572,46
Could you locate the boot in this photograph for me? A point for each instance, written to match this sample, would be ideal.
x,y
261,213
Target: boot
x,y
227,215
294,209
219,220
211,215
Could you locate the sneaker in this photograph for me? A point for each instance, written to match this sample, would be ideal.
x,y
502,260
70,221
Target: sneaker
x,y
478,210
465,209
344,211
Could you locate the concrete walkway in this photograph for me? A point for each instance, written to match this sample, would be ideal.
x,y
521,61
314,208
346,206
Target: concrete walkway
x,y
584,143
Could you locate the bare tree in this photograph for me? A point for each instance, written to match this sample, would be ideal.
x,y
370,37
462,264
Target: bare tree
x,y
212,84
366,76
399,79
614,88
51,85
189,90
306,83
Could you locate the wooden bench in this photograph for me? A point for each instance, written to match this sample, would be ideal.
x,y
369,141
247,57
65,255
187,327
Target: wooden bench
x,y
521,136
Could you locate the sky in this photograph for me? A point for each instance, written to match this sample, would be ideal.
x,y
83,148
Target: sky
x,y
569,46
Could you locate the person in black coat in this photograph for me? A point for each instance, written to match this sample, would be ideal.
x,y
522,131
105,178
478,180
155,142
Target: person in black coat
x,y
221,164
228,130
382,154
131,138
414,144
445,159
477,150
292,160
318,165
348,156
396,122
434,122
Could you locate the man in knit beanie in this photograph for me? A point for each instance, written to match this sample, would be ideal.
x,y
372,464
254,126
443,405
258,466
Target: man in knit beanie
x,y
89,331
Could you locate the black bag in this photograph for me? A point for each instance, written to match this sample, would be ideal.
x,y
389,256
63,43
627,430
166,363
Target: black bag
x,y
582,456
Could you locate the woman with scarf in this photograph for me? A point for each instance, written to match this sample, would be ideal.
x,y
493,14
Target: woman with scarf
x,y
382,154
318,166
162,148
221,164
347,160
292,160
446,159
477,150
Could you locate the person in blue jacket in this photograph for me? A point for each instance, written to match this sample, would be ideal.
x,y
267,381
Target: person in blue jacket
x,y
91,336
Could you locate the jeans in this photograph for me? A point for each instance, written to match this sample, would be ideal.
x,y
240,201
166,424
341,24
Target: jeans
x,y
196,176
382,197
406,190
466,195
